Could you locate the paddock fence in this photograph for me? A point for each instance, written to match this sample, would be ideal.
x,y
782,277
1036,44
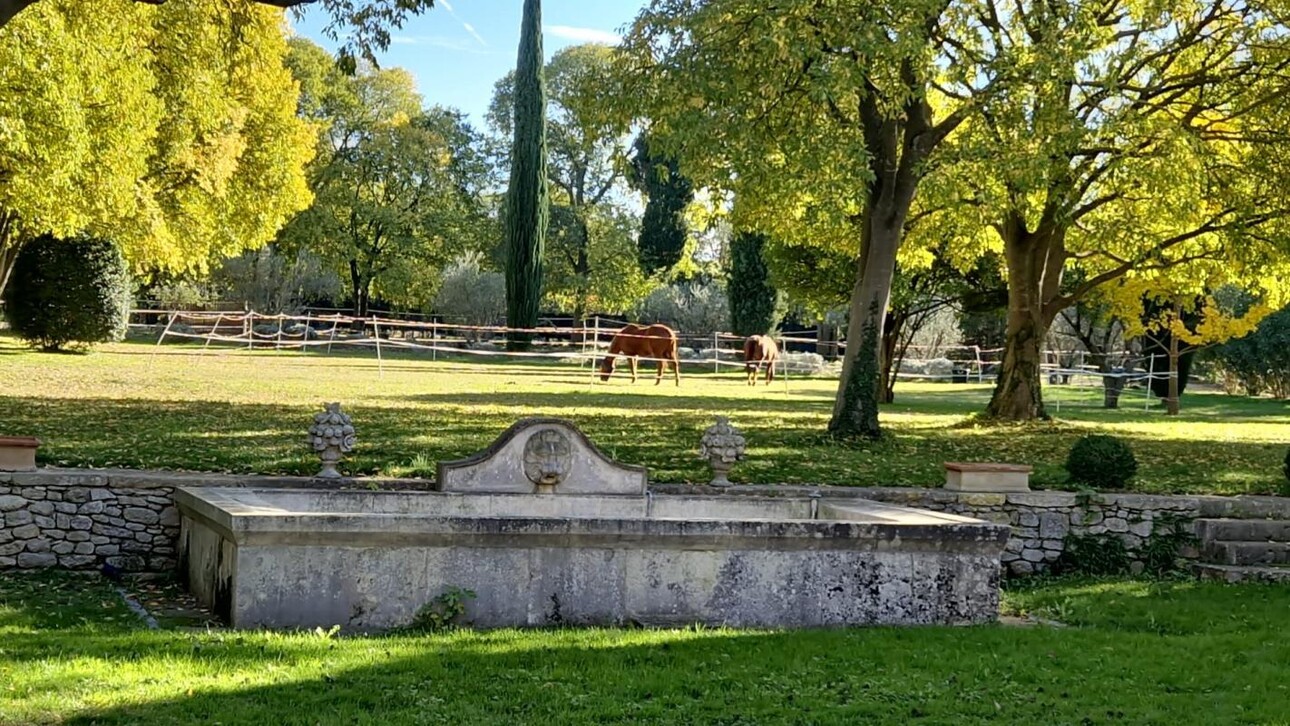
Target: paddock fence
x,y
564,341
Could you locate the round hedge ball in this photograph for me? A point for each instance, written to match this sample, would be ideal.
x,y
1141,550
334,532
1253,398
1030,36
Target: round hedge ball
x,y
68,291
1101,462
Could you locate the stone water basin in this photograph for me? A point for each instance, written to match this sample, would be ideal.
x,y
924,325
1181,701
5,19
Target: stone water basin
x,y
368,560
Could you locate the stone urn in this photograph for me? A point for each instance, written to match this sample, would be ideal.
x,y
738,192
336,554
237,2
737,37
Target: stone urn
x,y
332,436
722,445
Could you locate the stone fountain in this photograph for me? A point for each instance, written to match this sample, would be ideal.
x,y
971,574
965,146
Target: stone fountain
x,y
546,529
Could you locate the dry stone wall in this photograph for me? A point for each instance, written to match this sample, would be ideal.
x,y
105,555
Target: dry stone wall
x,y
83,519
81,522
1041,521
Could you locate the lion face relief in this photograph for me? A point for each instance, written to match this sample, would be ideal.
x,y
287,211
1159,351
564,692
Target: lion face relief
x,y
547,457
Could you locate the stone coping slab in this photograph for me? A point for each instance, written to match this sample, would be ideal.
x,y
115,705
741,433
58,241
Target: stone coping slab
x,y
259,517
1210,506
977,466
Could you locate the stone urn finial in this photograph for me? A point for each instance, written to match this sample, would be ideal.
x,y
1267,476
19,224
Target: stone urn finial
x,y
332,436
722,445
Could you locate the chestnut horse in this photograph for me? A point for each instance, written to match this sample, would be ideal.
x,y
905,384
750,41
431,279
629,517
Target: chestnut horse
x,y
652,342
760,349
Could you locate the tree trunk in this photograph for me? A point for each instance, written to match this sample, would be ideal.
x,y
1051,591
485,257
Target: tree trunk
x,y
358,289
891,355
10,244
8,255
1018,391
855,411
1174,400
1112,385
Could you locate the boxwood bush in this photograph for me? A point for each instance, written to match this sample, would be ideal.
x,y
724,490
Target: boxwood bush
x,y
1101,462
68,292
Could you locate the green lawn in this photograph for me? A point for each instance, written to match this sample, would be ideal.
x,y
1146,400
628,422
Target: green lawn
x,y
1133,653
247,412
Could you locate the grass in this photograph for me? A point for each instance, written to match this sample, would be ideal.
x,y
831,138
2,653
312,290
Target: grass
x,y
1134,652
136,406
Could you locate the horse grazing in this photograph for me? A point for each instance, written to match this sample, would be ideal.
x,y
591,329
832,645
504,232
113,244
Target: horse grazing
x,y
760,349
656,342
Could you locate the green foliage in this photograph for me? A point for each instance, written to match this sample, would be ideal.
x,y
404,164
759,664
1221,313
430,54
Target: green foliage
x,y
1102,462
1093,554
1260,362
591,260
588,263
756,307
443,612
664,232
471,295
819,279
399,191
1149,183
527,194
1159,552
169,128
819,119
271,281
691,308
1105,553
69,291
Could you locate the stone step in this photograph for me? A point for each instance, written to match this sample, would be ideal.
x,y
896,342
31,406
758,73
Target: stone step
x,y
1243,530
1241,573
1244,507
1246,553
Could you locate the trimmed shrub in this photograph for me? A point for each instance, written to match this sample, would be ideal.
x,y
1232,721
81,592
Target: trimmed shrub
x,y
1102,462
69,292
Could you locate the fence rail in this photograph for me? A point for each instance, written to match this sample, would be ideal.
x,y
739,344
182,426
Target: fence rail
x,y
577,344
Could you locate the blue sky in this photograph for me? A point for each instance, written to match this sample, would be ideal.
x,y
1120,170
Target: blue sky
x,y
460,48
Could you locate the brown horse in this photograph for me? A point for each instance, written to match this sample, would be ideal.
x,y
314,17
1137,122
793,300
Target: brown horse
x,y
760,349
652,342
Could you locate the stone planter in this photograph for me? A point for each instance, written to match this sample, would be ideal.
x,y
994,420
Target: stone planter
x,y
18,453
987,477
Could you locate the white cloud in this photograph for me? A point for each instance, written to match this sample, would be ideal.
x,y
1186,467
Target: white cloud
x,y
469,28
584,35
473,33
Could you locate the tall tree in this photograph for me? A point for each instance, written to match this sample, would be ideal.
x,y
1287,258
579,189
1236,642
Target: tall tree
x,y
76,139
586,179
667,193
822,118
527,196
1137,140
150,126
398,189
756,306
364,26
590,262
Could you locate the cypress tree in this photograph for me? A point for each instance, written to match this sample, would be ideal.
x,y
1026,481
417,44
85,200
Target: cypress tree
x,y
663,231
755,305
527,194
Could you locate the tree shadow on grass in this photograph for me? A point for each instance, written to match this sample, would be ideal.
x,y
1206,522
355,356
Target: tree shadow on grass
x,y
787,442
1182,654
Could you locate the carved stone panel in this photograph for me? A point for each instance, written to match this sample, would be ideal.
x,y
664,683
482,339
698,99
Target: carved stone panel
x,y
541,455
